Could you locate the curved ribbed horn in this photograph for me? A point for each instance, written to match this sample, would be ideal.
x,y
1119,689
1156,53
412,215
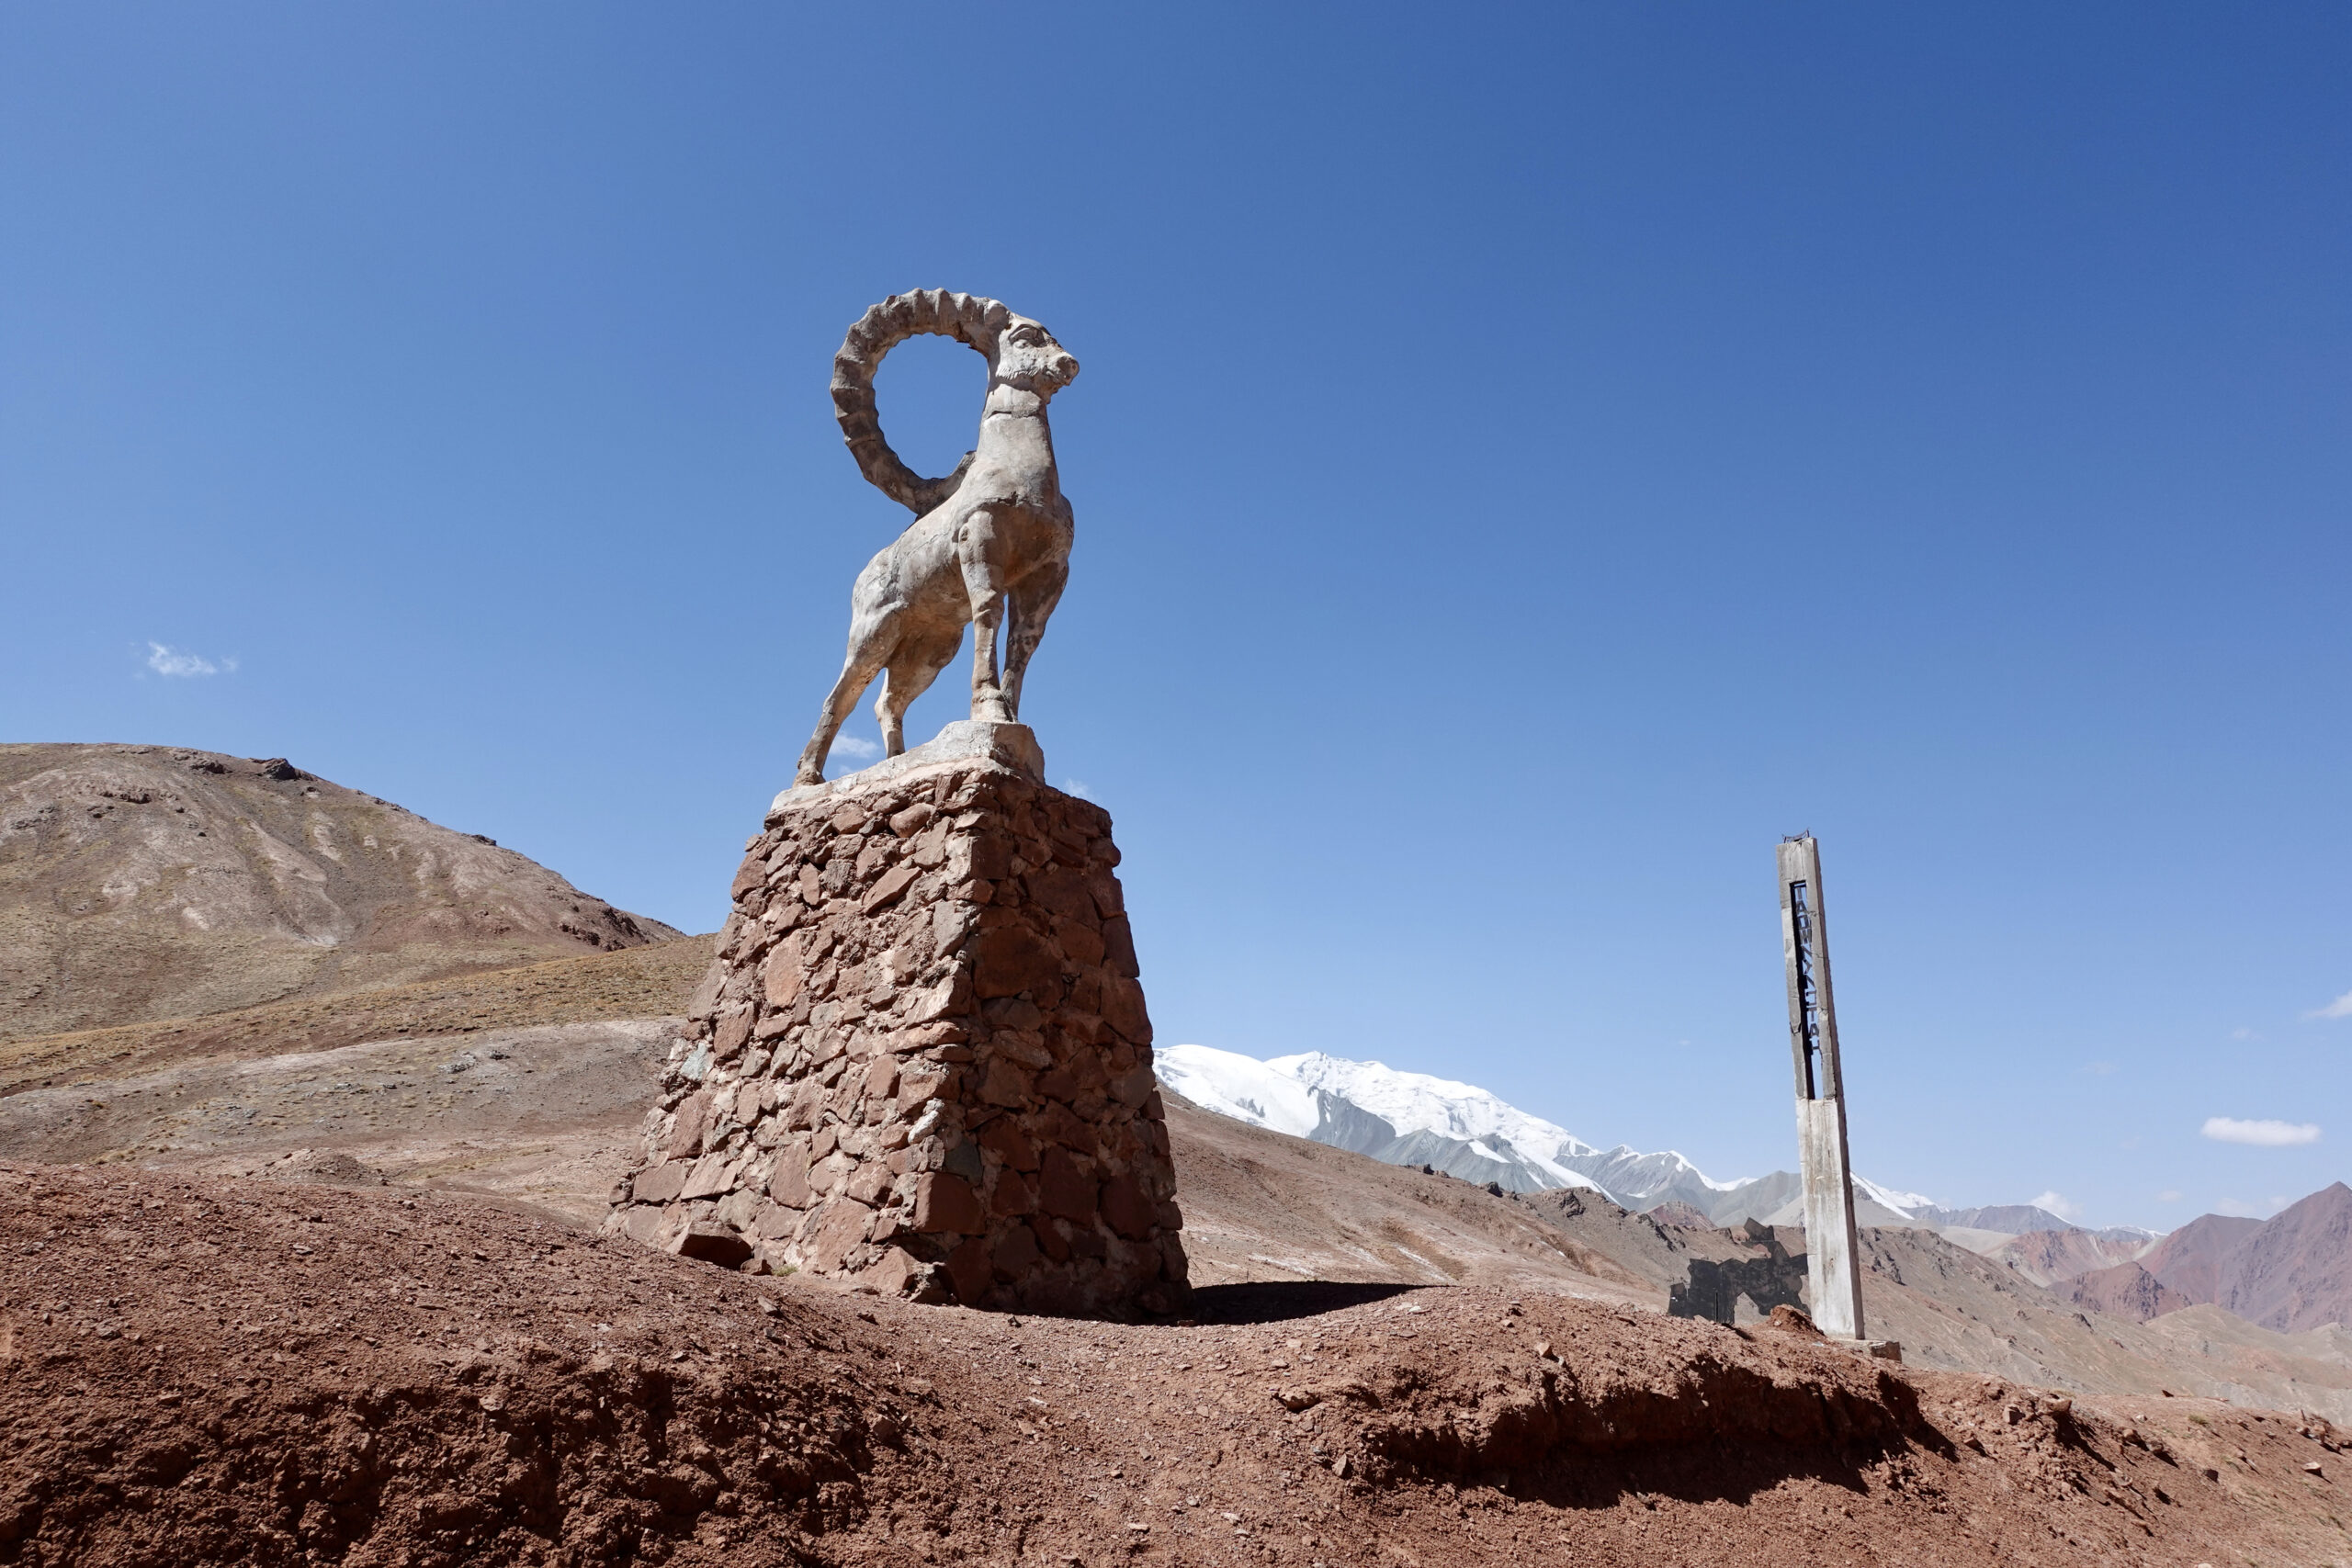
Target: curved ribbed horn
x,y
969,318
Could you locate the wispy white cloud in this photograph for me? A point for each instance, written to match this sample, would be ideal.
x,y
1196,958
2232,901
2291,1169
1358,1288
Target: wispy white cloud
x,y
164,660
2099,1070
849,746
2169,1195
1076,787
2340,1007
2262,1133
2059,1205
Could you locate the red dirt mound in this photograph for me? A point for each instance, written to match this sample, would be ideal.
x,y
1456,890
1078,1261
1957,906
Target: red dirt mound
x,y
220,1371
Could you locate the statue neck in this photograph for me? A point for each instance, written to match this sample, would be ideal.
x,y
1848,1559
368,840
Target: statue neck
x,y
1006,398
1014,427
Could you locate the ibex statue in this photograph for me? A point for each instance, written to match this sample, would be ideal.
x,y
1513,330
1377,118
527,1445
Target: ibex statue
x,y
995,530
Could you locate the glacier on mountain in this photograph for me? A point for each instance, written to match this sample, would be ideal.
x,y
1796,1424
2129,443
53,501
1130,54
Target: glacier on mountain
x,y
1411,1103
1401,1118
1414,1119
1240,1087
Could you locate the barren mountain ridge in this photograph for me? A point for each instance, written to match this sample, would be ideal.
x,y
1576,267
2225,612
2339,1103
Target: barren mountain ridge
x,y
146,882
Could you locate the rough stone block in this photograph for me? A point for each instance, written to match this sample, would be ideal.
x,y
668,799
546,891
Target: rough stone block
x,y
659,1183
944,1203
712,1243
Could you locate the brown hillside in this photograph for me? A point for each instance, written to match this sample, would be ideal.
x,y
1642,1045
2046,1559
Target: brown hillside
x,y
527,1082
457,1085
208,1372
2191,1260
2047,1256
145,882
2125,1290
635,983
2295,1271
1261,1206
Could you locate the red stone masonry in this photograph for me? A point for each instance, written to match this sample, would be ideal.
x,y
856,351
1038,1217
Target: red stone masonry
x,y
920,1058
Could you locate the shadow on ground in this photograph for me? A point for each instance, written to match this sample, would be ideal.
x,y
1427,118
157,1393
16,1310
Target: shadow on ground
x,y
1280,1301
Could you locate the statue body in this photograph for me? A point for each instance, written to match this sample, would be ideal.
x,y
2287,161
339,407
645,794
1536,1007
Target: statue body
x,y
991,542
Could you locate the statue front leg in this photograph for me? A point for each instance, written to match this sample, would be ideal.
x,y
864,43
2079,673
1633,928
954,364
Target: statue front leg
x,y
988,692
984,591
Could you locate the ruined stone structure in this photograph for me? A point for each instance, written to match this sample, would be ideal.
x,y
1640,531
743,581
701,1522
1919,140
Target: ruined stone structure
x,y
1768,1279
920,1058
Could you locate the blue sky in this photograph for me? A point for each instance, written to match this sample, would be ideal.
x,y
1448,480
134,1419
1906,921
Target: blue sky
x,y
1526,461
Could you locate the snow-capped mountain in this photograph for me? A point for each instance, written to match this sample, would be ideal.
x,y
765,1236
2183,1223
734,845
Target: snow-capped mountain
x,y
1458,1128
1644,1182
1402,1118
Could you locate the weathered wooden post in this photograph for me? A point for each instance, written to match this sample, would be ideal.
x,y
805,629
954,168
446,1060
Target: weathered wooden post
x,y
1832,1250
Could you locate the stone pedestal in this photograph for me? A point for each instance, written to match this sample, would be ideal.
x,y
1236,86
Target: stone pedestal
x,y
920,1058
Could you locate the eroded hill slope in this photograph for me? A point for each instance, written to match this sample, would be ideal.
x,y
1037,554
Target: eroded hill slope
x,y
144,882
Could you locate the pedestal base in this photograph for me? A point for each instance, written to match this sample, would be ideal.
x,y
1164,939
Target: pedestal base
x,y
921,1057
1884,1349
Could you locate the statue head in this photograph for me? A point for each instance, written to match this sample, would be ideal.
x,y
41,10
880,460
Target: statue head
x,y
1026,356
1021,353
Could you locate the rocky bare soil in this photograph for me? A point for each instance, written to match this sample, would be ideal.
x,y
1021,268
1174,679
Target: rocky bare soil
x,y
325,1286
532,1084
212,1369
545,1113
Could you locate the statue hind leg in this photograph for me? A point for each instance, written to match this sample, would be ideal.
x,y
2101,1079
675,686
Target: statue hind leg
x,y
911,670
1032,601
867,657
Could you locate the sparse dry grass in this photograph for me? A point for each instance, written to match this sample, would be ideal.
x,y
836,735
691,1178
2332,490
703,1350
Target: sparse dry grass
x,y
639,982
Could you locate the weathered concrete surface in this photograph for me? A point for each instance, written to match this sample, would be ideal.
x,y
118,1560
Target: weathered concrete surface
x,y
991,542
1012,745
1830,1242
921,1057
1822,1162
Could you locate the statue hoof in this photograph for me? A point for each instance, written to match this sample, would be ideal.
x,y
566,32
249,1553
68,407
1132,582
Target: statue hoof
x,y
808,776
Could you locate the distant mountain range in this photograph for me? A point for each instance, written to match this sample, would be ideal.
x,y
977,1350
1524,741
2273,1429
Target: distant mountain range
x,y
1415,1118
2290,1273
1464,1130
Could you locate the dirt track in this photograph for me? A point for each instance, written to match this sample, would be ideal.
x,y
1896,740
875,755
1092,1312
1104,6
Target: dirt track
x,y
204,1369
